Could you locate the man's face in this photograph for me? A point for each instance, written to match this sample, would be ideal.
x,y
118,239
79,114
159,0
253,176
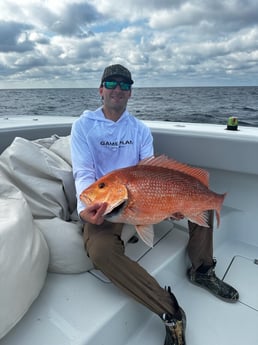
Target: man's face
x,y
115,99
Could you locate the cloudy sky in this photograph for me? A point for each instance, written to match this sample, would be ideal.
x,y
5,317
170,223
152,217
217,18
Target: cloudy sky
x,y
163,42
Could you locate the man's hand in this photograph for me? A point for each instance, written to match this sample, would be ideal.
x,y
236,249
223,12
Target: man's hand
x,y
94,214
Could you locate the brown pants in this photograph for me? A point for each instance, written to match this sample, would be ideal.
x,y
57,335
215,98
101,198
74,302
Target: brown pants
x,y
106,250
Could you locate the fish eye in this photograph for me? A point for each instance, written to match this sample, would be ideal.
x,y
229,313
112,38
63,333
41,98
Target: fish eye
x,y
101,185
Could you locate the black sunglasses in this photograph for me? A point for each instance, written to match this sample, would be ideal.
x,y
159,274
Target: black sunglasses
x,y
112,84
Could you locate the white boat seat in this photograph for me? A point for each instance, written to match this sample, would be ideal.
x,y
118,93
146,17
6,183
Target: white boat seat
x,y
37,197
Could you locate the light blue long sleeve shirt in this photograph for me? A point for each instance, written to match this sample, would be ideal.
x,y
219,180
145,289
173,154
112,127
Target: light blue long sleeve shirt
x,y
99,145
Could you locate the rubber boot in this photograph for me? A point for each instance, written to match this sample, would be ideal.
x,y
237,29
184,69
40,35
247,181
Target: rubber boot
x,y
175,324
206,278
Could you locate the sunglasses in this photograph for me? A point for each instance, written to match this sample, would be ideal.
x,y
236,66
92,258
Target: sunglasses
x,y
112,84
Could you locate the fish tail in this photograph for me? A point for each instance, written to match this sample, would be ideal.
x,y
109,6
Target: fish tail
x,y
220,201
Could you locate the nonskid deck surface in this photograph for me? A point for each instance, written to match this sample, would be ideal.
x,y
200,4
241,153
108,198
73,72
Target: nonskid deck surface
x,y
83,310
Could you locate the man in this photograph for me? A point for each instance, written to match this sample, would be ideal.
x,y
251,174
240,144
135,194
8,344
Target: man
x,y
111,138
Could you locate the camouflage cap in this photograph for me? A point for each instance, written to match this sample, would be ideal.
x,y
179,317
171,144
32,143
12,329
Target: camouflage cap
x,y
117,71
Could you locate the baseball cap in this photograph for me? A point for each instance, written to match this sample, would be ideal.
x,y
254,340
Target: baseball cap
x,y
117,71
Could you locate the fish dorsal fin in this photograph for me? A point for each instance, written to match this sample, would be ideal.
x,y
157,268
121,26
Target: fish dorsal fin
x,y
146,233
165,162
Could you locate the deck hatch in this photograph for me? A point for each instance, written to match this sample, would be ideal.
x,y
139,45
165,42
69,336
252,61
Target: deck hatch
x,y
243,275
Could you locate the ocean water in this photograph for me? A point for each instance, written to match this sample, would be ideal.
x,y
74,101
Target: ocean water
x,y
189,104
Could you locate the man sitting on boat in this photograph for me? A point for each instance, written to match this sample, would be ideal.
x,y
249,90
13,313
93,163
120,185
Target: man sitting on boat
x,y
93,157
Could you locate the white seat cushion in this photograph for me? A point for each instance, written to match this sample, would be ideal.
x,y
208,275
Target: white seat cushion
x,y
24,256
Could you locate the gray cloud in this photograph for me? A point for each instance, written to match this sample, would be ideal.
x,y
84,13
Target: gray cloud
x,y
216,16
30,62
72,20
14,37
5,71
89,49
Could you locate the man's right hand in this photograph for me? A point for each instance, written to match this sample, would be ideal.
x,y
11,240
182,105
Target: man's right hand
x,y
94,214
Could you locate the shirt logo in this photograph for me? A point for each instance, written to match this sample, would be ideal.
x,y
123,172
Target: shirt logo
x,y
120,143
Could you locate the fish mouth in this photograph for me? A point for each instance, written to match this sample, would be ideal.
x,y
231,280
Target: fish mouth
x,y
86,199
116,210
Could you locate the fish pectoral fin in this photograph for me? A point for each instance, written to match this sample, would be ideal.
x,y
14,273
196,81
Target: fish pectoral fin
x,y
200,219
146,233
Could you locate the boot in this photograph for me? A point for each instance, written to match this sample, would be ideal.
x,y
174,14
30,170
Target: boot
x,y
175,326
206,278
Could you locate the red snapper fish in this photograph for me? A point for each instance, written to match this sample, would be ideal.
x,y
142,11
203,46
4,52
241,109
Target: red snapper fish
x,y
156,189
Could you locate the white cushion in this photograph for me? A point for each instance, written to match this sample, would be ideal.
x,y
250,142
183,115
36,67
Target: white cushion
x,y
43,176
66,247
62,148
24,256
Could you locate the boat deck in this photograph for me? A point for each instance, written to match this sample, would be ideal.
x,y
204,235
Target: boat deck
x,y
66,312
